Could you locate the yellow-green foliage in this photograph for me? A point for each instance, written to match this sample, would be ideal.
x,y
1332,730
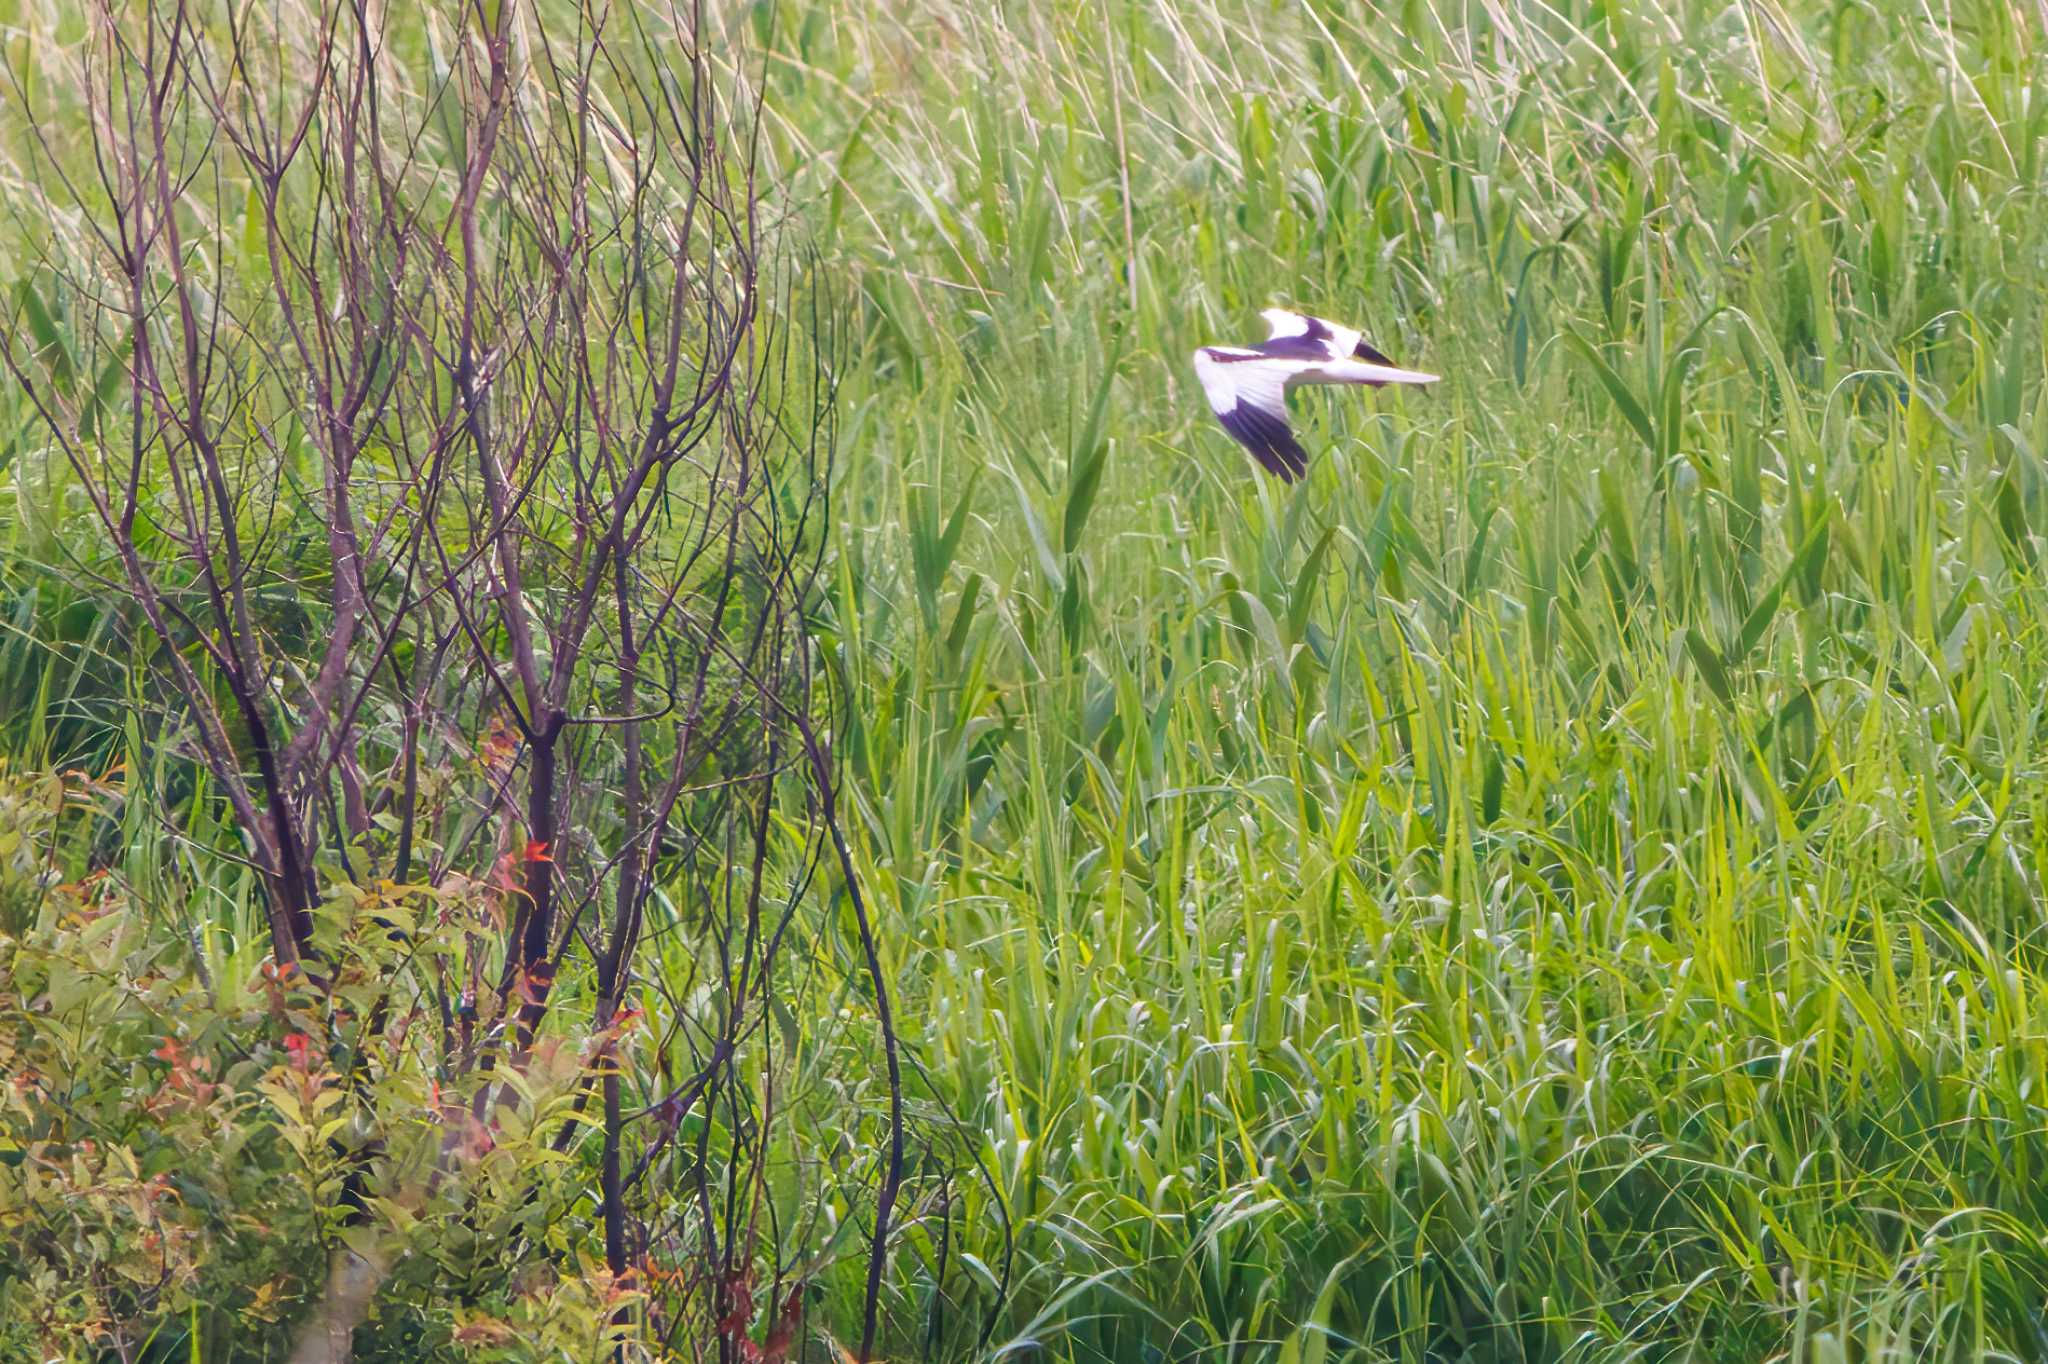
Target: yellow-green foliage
x,y
174,1142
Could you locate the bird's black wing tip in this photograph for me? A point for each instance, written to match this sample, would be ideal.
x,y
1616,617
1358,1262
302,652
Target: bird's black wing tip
x,y
1371,356
1267,437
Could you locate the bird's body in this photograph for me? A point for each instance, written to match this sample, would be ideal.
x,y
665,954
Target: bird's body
x,y
1247,386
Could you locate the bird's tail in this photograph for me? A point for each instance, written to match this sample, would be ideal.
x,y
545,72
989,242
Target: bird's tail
x,y
1362,372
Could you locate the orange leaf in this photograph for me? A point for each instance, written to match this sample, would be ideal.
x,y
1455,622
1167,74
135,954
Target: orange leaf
x,y
535,982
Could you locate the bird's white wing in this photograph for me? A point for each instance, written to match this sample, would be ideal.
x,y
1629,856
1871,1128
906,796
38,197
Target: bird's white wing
x,y
1280,322
1248,393
1331,352
1299,336
1311,337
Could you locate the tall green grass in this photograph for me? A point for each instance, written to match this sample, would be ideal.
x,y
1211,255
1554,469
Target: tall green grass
x,y
1563,883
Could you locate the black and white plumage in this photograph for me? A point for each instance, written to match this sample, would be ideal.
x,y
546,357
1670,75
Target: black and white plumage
x,y
1247,387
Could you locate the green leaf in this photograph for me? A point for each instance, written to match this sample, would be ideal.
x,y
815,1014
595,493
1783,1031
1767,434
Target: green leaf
x,y
1090,457
1070,607
932,550
1617,388
1766,608
836,204
1303,597
446,105
1614,516
42,325
1711,668
1492,785
1794,710
1081,496
255,234
1475,556
1047,560
2012,517
963,615
1315,1332
1253,617
105,391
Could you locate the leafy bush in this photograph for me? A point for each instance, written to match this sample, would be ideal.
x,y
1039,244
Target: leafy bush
x,y
180,1150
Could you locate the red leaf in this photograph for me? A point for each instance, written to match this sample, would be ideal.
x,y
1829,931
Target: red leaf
x,y
537,851
775,1349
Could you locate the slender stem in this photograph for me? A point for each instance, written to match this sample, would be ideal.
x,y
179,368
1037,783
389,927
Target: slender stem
x,y
892,1171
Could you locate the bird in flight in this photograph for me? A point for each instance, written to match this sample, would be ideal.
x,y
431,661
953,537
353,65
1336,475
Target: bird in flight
x,y
1247,387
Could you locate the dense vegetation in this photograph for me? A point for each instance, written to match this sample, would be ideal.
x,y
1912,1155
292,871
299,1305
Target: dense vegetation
x,y
1562,883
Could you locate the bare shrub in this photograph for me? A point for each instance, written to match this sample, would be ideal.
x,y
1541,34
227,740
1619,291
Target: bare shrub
x,y
457,430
